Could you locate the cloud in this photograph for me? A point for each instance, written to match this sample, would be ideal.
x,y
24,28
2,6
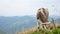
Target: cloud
x,y
25,7
13,7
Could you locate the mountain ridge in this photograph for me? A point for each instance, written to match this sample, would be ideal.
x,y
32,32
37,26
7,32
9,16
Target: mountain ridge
x,y
18,23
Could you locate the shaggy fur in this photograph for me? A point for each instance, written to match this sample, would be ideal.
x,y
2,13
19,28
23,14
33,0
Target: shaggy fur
x,y
42,17
42,14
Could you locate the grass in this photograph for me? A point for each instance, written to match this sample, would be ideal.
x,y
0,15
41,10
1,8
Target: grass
x,y
53,31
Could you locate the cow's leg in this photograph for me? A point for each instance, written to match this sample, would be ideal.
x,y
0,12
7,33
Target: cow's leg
x,y
39,25
46,25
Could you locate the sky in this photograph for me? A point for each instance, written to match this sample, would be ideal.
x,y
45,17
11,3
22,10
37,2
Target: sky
x,y
28,7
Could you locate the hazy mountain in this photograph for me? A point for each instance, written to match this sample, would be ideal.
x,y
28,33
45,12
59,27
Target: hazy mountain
x,y
56,18
16,23
13,24
2,32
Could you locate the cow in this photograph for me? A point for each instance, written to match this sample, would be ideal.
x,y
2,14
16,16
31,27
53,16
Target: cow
x,y
42,18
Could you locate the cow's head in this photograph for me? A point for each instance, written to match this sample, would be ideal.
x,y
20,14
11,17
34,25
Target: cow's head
x,y
43,14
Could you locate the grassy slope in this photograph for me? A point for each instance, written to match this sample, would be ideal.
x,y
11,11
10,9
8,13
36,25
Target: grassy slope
x,y
28,31
34,31
53,31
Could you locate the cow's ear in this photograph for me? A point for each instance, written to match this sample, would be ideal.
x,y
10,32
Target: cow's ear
x,y
39,9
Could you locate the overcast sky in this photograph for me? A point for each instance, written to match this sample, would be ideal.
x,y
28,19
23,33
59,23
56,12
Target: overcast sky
x,y
28,7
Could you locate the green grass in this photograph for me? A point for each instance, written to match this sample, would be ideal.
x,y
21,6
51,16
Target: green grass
x,y
53,31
